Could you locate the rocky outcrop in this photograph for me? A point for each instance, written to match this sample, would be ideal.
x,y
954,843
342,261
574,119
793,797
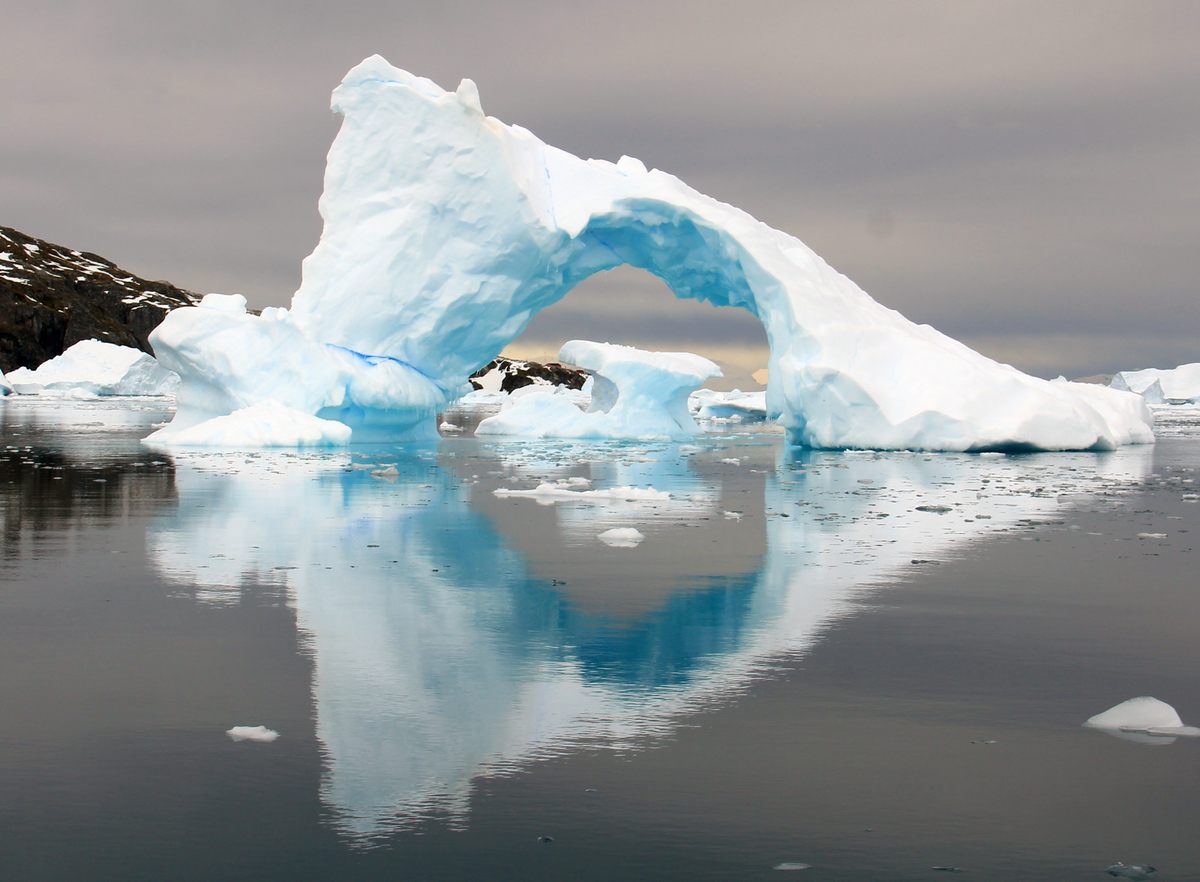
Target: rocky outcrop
x,y
506,374
51,297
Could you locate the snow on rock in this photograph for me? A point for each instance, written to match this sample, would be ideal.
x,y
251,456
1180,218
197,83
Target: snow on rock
x,y
1144,715
260,734
266,424
1179,385
622,537
635,394
93,367
446,230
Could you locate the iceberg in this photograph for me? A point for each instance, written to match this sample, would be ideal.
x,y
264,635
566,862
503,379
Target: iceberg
x,y
446,230
1179,385
5,386
1145,716
634,394
95,368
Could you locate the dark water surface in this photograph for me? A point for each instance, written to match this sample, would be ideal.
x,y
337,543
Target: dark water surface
x,y
795,665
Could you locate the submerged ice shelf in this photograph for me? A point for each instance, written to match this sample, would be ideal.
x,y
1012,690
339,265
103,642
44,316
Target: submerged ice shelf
x,y
446,230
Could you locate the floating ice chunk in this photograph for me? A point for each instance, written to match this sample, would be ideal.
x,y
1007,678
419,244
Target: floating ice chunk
x,y
635,394
622,537
1152,535
5,386
1143,715
548,494
252,733
793,865
267,424
95,368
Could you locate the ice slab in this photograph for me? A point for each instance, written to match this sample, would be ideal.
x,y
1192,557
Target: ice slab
x,y
95,368
266,424
260,734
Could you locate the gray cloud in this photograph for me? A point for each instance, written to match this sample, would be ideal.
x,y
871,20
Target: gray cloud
x,y
1010,173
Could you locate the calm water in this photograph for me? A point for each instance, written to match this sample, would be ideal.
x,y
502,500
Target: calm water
x,y
795,665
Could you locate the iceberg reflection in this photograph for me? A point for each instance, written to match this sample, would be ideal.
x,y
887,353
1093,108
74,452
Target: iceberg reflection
x,y
456,633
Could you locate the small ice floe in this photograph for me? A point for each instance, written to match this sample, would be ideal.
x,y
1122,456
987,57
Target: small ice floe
x,y
1143,716
936,509
449,427
388,472
732,515
1130,871
731,460
260,734
622,537
1152,535
793,865
548,494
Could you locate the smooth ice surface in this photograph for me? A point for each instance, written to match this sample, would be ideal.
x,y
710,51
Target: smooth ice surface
x,y
1177,385
634,394
252,733
269,424
93,367
446,230
1143,715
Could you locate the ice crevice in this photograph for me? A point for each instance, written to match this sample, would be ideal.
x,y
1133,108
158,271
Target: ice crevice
x,y
446,231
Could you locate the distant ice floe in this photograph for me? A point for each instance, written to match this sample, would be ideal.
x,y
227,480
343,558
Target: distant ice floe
x,y
550,493
93,368
1143,716
445,231
635,394
260,734
1175,386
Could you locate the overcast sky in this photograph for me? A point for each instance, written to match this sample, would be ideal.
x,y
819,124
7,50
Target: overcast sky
x,y
1023,176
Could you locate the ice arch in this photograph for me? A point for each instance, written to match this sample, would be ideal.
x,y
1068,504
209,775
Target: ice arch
x,y
446,231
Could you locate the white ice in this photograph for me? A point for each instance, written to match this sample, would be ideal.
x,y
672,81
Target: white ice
x,y
710,404
1143,715
634,394
96,368
252,733
446,230
1179,385
622,537
267,424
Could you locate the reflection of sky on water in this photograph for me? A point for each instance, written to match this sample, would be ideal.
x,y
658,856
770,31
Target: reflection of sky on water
x,y
455,633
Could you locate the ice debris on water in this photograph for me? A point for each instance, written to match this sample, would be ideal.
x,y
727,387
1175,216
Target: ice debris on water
x,y
793,865
260,734
548,494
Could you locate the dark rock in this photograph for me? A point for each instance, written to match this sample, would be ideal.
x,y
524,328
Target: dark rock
x,y
516,374
51,297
